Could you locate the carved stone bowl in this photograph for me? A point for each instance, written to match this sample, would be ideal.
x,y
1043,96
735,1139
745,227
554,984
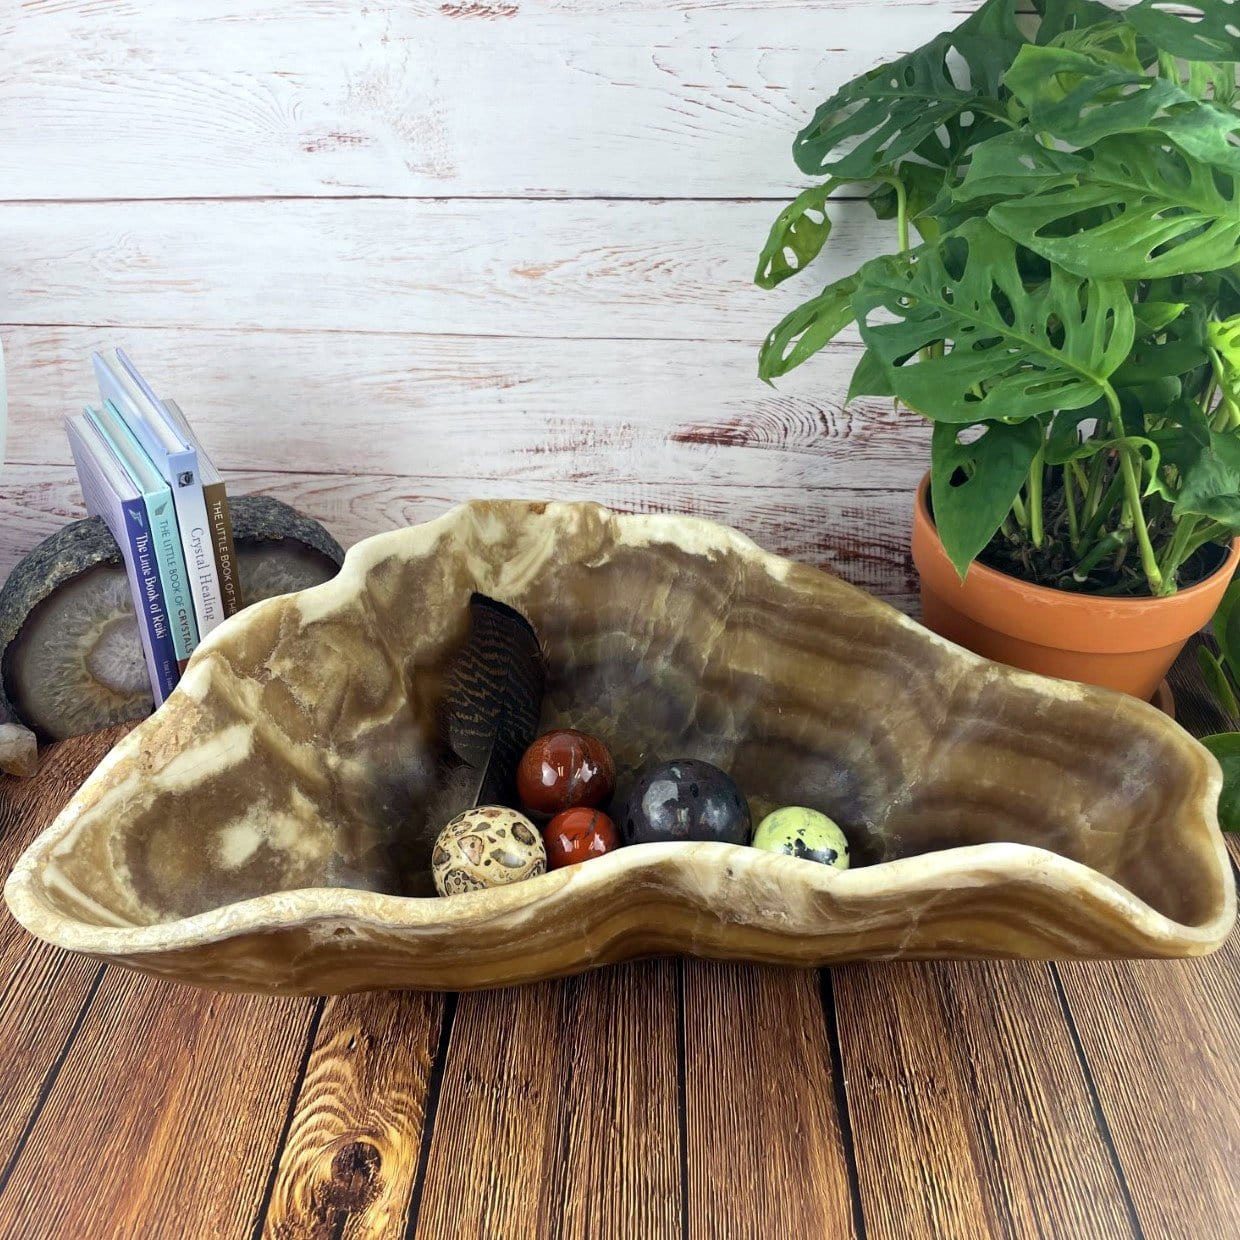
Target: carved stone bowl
x,y
269,829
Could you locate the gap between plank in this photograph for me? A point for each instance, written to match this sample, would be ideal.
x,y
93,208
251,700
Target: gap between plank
x,y
250,329
826,991
312,1034
49,1080
652,200
682,1097
435,1087
1100,1119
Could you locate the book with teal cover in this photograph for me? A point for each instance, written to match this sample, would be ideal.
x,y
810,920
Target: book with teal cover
x,y
165,536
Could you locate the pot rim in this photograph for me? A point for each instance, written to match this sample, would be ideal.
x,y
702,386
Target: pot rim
x,y
1061,598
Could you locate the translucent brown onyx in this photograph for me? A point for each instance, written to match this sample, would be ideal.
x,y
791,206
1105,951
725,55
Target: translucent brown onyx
x,y
270,828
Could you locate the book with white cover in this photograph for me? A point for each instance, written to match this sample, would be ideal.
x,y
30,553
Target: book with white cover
x,y
177,462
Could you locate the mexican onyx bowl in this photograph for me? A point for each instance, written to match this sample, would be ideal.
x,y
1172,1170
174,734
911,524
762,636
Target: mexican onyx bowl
x,y
269,829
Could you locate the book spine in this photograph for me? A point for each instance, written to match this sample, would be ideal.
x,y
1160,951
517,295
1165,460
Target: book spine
x,y
161,650
220,521
196,541
179,604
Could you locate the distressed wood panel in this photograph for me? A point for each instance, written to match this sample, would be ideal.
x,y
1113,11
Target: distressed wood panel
x,y
196,98
533,411
861,535
661,270
558,1112
765,1150
347,1167
970,1114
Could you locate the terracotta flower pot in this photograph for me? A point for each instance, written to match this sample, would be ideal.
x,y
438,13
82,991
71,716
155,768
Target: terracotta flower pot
x,y
1120,643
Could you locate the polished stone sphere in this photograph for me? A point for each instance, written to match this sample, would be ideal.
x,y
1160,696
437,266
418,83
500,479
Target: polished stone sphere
x,y
565,769
577,835
804,833
686,800
490,846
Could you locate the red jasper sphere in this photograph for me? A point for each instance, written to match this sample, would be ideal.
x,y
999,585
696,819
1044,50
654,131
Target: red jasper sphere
x,y
565,769
578,835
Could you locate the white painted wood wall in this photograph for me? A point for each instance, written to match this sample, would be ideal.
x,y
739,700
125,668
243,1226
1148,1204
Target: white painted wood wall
x,y
389,255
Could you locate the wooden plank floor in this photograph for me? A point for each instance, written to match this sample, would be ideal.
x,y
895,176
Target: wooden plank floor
x,y
668,1098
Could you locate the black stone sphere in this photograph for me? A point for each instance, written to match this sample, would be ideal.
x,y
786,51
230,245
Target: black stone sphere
x,y
686,800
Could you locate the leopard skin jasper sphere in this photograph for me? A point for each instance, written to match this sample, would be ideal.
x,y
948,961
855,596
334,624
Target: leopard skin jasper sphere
x,y
804,833
490,846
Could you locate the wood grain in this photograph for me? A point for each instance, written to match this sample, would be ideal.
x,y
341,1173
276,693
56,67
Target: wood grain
x,y
157,1071
654,412
427,98
860,535
43,991
1160,1041
570,269
764,1145
969,1111
348,1166
558,1112
149,1067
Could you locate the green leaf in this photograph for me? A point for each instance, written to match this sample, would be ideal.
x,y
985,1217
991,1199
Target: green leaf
x,y
807,329
1064,442
869,379
922,185
1229,637
1204,30
1225,746
1222,617
1153,316
796,237
1217,682
1011,352
1211,488
865,128
973,484
1139,211
1060,16
1081,99
1224,338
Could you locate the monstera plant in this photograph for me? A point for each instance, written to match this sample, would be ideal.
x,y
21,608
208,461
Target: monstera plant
x,y
1062,295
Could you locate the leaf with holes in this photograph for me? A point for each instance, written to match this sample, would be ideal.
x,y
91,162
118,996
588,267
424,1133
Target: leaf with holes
x,y
807,329
1010,352
796,237
1082,99
865,128
1224,338
1191,29
972,485
1015,164
1139,211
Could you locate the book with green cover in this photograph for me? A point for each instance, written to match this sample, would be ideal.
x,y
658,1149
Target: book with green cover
x,y
165,535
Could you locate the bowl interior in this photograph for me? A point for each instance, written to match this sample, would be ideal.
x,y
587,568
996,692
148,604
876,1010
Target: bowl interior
x,y
302,748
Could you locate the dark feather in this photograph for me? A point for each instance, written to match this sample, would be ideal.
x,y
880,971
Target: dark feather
x,y
493,697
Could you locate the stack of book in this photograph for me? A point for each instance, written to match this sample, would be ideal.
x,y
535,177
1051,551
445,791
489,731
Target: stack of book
x,y
145,474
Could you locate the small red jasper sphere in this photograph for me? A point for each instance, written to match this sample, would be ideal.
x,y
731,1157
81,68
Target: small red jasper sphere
x,y
564,769
578,835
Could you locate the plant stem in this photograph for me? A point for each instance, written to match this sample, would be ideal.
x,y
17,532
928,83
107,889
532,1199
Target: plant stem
x,y
1177,549
1097,554
1132,493
1102,509
1097,471
902,214
1069,497
1212,533
1018,511
1035,497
